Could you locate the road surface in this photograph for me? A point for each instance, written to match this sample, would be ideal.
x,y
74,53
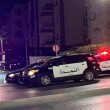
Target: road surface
x,y
82,95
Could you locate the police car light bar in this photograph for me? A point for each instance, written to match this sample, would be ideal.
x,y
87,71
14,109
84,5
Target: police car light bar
x,y
104,53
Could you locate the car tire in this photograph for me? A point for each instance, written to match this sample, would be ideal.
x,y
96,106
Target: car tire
x,y
88,75
44,80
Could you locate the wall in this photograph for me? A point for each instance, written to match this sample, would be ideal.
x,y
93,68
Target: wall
x,y
74,22
98,20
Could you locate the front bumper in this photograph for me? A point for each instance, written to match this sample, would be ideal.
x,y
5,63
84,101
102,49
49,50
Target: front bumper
x,y
12,79
27,80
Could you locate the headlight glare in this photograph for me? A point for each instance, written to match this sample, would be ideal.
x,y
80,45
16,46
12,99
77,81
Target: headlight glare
x,y
32,72
11,75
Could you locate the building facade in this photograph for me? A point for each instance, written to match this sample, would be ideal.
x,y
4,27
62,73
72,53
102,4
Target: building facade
x,y
59,22
36,25
98,20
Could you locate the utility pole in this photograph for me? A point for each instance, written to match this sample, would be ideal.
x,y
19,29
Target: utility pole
x,y
26,50
2,49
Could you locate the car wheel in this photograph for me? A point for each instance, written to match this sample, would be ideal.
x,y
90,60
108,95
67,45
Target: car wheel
x,y
45,80
88,75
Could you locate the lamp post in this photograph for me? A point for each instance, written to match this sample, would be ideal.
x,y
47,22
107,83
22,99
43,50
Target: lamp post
x,y
2,49
56,24
26,50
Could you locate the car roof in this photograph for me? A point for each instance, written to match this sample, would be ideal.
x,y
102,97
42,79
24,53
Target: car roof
x,y
78,54
67,55
55,57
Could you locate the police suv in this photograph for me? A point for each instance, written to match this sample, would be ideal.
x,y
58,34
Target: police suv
x,y
103,59
62,68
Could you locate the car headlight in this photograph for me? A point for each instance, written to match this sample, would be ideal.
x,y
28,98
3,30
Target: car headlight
x,y
32,72
18,73
11,75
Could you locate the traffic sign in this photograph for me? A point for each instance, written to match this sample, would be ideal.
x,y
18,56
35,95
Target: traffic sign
x,y
56,48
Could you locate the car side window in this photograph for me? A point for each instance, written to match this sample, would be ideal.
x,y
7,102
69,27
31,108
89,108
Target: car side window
x,y
52,63
78,59
74,59
61,61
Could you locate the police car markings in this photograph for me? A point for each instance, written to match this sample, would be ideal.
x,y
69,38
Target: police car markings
x,y
69,69
104,65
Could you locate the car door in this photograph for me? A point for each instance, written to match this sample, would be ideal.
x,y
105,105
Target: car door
x,y
76,65
62,69
70,66
58,70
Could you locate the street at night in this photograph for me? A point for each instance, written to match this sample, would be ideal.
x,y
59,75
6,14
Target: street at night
x,y
54,54
68,96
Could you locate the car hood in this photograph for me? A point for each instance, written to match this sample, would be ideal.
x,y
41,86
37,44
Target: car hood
x,y
39,67
16,71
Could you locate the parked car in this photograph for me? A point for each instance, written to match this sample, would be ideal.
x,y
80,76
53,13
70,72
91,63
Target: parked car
x,y
13,76
62,68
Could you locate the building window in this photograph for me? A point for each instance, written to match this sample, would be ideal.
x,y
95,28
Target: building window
x,y
19,23
48,6
32,18
19,12
19,34
47,22
48,9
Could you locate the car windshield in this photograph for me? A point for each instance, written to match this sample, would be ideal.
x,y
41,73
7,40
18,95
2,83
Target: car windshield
x,y
49,62
31,65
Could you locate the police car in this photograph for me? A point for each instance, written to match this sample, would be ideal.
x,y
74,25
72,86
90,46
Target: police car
x,y
103,59
62,68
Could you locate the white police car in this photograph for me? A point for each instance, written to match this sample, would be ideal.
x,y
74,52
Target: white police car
x,y
103,60
62,68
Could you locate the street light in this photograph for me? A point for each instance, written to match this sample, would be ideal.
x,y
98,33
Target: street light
x,y
2,48
26,49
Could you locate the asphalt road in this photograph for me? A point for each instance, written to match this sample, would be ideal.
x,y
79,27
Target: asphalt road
x,y
82,95
12,91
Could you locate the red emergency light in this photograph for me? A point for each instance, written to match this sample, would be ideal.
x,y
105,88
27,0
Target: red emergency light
x,y
103,53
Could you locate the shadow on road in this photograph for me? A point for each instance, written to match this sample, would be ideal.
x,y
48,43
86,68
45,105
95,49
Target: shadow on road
x,y
68,85
105,75
60,85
